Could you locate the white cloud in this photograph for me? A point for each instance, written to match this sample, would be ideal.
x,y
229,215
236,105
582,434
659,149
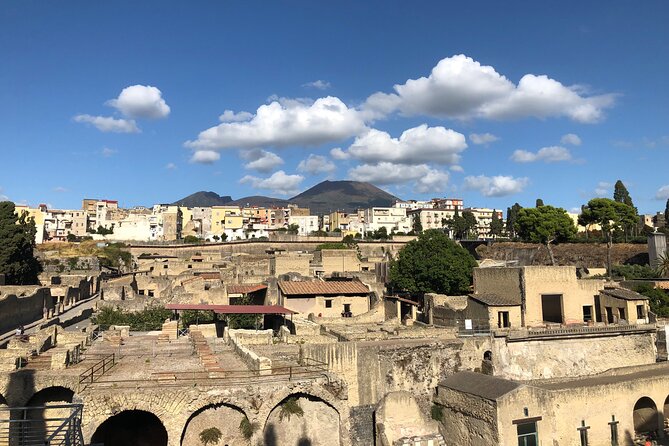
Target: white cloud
x,y
318,84
662,193
339,154
205,157
460,87
390,173
603,188
261,160
551,154
170,166
483,138
107,152
231,116
432,181
3,197
286,122
141,101
316,164
109,124
60,189
279,183
417,145
571,138
497,186
456,168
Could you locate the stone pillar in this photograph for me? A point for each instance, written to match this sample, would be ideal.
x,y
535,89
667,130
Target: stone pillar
x,y
657,247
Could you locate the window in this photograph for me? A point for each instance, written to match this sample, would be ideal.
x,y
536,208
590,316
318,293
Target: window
x,y
639,312
328,303
141,292
583,433
609,315
527,434
587,313
614,430
503,319
621,311
150,293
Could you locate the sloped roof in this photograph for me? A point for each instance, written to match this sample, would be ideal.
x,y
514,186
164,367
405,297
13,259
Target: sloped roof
x,y
495,300
622,293
320,288
484,386
245,289
232,309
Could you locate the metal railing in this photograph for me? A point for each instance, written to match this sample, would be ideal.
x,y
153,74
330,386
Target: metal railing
x,y
34,426
98,369
579,330
310,369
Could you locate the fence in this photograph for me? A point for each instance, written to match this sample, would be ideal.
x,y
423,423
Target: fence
x,y
98,369
34,426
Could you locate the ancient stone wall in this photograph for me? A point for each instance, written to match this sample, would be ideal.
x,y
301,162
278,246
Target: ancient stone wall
x,y
467,420
22,305
554,358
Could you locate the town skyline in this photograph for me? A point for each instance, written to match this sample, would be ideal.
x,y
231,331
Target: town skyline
x,y
452,103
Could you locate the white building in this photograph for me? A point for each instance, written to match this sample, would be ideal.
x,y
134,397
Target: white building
x,y
307,223
393,219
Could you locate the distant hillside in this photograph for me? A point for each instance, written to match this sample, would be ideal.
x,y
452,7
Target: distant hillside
x,y
260,201
322,198
342,195
203,199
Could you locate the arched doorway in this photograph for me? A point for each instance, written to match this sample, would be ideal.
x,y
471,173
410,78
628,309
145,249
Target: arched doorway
x,y
43,420
645,416
131,428
3,401
230,421
302,419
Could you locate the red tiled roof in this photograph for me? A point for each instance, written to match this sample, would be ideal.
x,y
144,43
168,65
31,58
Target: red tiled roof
x,y
208,275
319,288
232,309
245,289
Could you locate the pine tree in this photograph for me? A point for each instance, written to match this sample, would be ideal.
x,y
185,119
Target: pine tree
x,y
496,225
539,203
666,213
17,242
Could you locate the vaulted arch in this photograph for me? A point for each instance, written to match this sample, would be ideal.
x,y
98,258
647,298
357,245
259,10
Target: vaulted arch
x,y
131,428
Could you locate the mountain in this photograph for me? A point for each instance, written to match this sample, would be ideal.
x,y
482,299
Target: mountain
x,y
342,195
260,201
203,199
323,198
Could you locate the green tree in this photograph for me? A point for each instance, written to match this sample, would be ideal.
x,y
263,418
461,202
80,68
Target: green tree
x,y
666,213
545,224
622,195
293,228
461,225
539,203
496,225
243,320
417,226
191,239
432,263
71,237
610,215
104,231
17,244
511,216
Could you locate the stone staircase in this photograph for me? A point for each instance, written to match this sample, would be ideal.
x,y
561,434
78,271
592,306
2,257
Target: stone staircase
x,y
207,357
39,362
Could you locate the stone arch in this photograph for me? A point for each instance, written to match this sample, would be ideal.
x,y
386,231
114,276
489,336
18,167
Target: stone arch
x,y
645,416
45,419
317,425
225,417
131,428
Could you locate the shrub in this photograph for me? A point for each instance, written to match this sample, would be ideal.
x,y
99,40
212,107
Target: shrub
x,y
211,435
289,408
247,428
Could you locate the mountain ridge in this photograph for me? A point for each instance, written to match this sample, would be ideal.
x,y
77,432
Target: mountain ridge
x,y
324,197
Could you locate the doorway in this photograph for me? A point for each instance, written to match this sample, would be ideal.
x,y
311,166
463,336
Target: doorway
x,y
551,308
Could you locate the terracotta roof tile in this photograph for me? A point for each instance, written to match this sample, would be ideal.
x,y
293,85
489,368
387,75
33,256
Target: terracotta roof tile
x,y
245,289
621,293
318,288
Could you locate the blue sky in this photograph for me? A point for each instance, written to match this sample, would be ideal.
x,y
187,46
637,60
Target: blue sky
x,y
492,102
